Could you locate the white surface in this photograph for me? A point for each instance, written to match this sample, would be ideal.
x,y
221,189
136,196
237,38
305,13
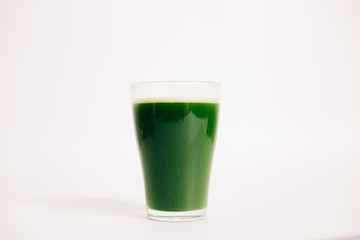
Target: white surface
x,y
287,159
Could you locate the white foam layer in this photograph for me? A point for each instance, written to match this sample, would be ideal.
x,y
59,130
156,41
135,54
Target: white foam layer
x,y
176,91
176,100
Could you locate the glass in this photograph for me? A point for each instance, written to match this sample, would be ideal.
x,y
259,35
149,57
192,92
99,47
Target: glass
x,y
175,125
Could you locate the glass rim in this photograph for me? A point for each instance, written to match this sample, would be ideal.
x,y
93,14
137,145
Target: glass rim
x,y
176,81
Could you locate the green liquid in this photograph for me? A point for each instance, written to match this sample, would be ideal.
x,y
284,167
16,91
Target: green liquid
x,y
176,141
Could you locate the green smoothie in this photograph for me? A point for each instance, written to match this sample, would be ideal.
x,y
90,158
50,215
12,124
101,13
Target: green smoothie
x,y
176,142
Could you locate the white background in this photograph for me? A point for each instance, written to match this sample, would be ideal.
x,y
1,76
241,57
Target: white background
x,y
287,162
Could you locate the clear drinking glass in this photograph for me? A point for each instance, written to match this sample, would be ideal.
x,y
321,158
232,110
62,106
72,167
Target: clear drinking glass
x,y
175,124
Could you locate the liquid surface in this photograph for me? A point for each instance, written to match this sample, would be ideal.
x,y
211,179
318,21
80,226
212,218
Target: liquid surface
x,y
176,141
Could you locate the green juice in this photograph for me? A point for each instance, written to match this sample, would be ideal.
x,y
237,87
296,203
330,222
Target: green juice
x,y
176,142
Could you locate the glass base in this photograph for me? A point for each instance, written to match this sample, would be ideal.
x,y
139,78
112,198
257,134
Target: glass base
x,y
181,216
